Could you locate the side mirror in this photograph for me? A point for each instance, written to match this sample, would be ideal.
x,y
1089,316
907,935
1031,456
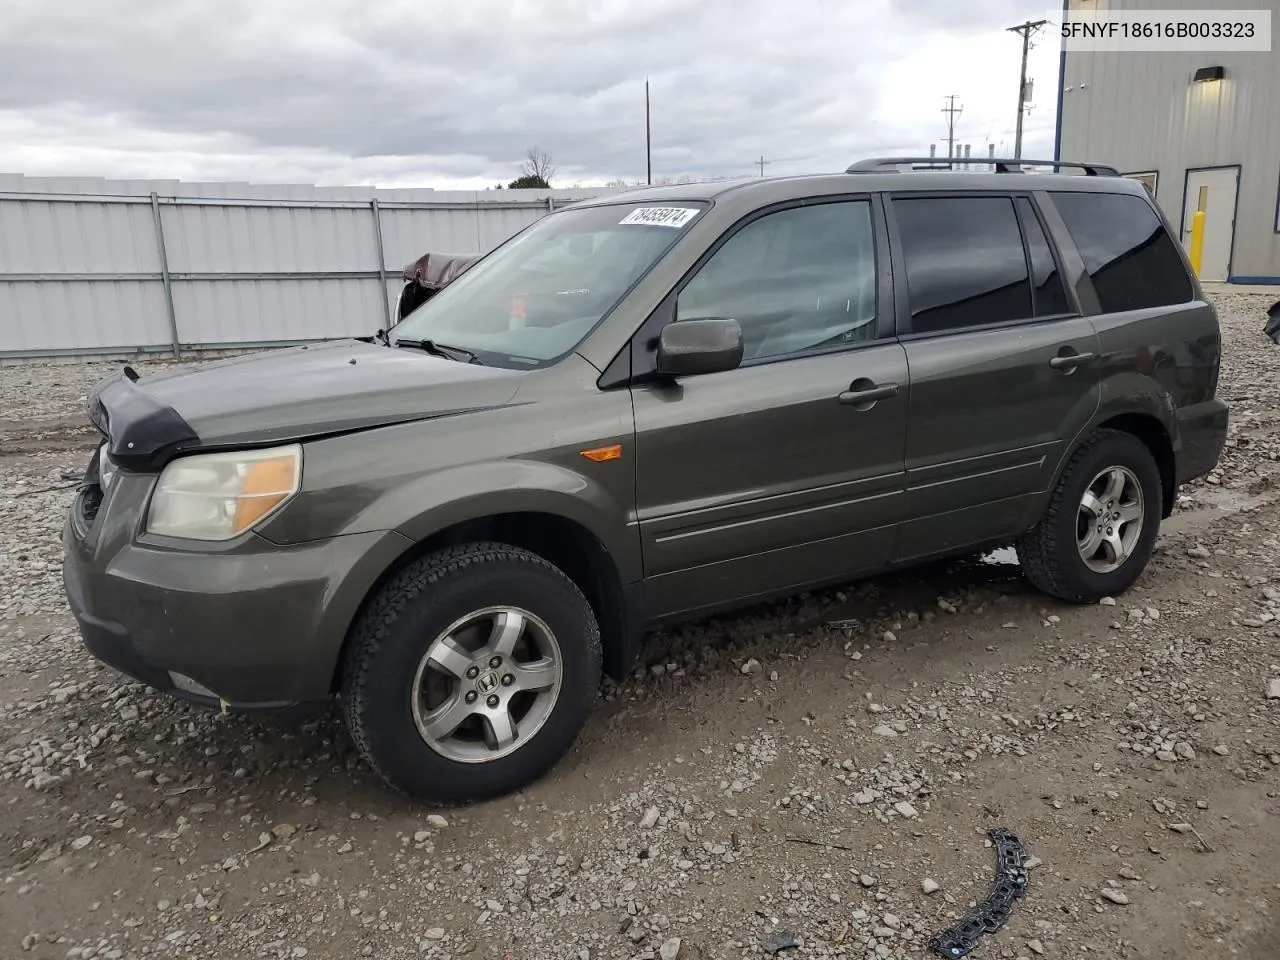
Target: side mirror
x,y
708,345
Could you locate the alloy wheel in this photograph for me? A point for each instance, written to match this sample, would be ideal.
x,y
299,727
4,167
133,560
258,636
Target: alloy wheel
x,y
486,684
1110,519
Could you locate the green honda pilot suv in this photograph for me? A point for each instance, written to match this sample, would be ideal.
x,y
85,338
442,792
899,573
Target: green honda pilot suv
x,y
641,409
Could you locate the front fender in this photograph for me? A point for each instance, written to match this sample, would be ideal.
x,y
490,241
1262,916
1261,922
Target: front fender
x,y
417,501
441,500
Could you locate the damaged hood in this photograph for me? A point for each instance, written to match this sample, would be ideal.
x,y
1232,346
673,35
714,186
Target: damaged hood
x,y
284,396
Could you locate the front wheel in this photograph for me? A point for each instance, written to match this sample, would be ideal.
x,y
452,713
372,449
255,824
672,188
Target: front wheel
x,y
1097,534
471,673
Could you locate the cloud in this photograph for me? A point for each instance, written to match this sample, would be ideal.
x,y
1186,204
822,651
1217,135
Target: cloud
x,y
338,91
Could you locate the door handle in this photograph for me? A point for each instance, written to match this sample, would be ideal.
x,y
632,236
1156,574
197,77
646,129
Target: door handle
x,y
864,396
1070,361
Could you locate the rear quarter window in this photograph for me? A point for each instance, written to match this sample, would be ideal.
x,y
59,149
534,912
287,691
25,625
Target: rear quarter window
x,y
1131,258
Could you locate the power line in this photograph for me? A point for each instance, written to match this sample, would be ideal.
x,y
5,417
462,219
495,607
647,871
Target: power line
x,y
761,162
648,149
1024,30
952,111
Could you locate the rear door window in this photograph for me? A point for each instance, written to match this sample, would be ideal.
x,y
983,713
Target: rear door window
x,y
964,260
1132,260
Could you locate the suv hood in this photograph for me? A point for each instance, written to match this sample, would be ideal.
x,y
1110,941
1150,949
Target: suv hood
x,y
286,395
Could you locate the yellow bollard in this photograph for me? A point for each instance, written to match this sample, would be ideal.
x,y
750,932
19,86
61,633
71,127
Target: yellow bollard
x,y
1197,240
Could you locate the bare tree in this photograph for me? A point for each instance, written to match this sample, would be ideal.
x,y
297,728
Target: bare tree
x,y
537,164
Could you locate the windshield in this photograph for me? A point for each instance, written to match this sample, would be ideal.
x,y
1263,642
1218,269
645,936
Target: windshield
x,y
538,295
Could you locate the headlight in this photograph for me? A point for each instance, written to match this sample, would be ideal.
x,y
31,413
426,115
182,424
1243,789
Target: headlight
x,y
217,496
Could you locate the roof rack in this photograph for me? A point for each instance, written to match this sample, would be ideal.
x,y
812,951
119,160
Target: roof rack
x,y
1002,164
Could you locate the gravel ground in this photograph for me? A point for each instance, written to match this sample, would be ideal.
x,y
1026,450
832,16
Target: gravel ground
x,y
820,772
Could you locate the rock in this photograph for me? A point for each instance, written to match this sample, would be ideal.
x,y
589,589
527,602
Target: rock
x,y
1185,751
128,713
1035,946
1221,750
751,666
1168,756
1273,689
421,836
79,843
1129,873
437,821
1180,827
1198,551
51,852
1108,601
1032,862
906,810
782,940
884,730
891,921
283,831
670,950
435,933
650,819
867,881
1115,896
864,797
929,885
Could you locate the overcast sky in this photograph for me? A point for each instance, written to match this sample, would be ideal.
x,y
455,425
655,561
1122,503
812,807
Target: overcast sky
x,y
423,93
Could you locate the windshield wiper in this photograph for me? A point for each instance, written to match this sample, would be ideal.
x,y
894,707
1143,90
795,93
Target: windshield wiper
x,y
440,350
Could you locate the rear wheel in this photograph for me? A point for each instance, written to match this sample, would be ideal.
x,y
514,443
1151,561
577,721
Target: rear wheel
x,y
471,673
1097,534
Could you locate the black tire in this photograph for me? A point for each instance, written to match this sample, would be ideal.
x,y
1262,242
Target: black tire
x,y
396,629
1048,553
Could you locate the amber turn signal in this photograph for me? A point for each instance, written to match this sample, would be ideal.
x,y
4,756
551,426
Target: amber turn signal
x,y
600,454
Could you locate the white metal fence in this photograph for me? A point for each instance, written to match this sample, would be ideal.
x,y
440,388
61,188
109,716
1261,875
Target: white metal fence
x,y
97,267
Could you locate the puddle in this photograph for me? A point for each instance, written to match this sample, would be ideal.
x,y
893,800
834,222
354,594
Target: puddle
x,y
1231,501
1000,557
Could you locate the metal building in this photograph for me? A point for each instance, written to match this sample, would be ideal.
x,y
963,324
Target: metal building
x,y
1201,129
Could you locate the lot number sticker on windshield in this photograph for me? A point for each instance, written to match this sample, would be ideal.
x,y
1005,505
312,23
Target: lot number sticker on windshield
x,y
661,216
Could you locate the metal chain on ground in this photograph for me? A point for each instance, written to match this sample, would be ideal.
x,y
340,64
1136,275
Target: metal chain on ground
x,y
991,914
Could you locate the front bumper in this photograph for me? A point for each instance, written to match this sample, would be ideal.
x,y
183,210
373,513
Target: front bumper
x,y
244,625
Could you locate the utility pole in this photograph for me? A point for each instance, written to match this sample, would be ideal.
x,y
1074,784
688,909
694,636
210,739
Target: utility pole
x,y
1024,30
761,162
648,143
952,111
